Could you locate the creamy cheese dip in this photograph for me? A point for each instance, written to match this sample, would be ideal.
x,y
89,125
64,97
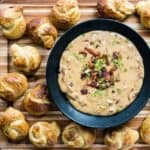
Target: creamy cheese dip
x,y
101,72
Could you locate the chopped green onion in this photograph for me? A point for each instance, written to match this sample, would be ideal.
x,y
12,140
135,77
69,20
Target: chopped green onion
x,y
118,63
101,80
99,93
119,109
99,64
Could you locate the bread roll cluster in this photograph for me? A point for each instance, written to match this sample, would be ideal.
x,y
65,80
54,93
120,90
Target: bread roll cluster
x,y
12,86
145,130
36,100
76,136
43,134
42,32
13,124
143,10
26,59
121,138
115,9
65,13
13,22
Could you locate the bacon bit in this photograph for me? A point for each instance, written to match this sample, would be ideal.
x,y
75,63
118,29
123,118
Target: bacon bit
x,y
93,84
112,70
111,73
107,76
116,55
83,53
92,51
83,75
106,59
91,65
93,75
92,59
84,91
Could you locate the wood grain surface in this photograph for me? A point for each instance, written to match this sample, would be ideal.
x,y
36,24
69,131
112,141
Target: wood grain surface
x,y
41,8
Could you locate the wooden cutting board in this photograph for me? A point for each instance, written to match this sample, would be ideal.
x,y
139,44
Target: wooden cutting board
x,y
41,8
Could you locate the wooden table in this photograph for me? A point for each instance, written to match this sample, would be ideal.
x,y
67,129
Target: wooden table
x,y
41,8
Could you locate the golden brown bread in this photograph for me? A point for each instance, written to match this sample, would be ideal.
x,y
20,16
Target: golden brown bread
x,y
43,134
76,136
13,22
25,58
65,13
13,124
12,86
122,138
145,130
36,100
42,32
115,9
143,10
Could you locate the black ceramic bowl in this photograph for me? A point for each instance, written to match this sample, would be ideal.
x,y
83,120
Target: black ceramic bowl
x,y
60,99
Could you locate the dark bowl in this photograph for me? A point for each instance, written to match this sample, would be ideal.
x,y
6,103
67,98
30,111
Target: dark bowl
x,y
60,99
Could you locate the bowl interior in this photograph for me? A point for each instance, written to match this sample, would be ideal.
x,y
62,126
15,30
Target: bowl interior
x,y
60,99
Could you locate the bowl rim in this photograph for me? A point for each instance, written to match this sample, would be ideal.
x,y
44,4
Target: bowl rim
x,y
60,99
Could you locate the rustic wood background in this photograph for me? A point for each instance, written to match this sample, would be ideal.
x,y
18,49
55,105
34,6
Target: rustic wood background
x,y
41,8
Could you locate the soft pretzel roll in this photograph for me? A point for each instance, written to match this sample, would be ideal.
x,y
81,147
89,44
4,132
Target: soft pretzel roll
x,y
65,13
25,58
13,124
145,130
16,130
43,134
115,142
42,32
115,9
10,115
139,6
122,138
13,22
36,100
76,136
143,10
12,86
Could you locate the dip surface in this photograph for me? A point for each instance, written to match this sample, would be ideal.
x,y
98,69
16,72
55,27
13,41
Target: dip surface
x,y
101,72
